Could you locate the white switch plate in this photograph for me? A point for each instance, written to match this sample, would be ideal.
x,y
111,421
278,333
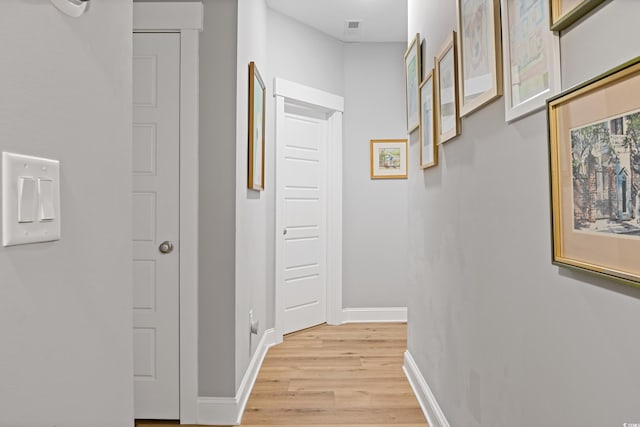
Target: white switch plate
x,y
15,169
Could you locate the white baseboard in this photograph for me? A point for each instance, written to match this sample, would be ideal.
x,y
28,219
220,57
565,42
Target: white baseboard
x,y
229,410
374,314
432,411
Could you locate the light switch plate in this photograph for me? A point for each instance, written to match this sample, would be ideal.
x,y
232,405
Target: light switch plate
x,y
16,168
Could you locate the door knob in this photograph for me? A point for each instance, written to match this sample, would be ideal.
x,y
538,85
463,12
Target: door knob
x,y
166,247
284,232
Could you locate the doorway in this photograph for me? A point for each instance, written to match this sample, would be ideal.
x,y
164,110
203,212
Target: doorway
x,y
308,207
180,22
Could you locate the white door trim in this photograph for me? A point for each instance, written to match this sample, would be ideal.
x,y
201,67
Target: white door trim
x,y
287,92
187,19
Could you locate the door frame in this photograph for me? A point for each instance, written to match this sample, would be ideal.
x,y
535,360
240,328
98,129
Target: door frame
x,y
187,20
287,92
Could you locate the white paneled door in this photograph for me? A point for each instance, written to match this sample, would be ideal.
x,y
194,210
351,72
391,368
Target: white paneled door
x,y
302,209
155,168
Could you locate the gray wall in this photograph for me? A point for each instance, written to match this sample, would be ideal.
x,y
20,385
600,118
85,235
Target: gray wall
x,y
65,306
217,199
375,254
304,55
503,337
251,214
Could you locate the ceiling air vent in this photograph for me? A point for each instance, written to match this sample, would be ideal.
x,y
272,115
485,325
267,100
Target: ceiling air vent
x,y
353,27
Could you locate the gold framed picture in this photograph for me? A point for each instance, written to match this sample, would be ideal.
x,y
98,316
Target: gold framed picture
x,y
565,13
479,53
594,139
446,69
428,145
412,82
388,158
256,129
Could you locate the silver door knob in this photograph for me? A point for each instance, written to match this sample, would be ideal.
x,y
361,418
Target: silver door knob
x,y
166,247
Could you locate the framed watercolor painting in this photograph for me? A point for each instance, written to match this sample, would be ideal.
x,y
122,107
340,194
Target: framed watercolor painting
x,y
565,13
594,139
412,83
448,117
428,146
531,57
479,53
256,128
388,158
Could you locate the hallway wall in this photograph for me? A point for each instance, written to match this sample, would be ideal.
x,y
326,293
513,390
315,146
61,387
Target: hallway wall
x,y
501,335
375,253
251,205
217,231
65,306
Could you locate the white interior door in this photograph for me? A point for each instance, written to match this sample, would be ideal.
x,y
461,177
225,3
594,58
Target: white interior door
x,y
302,142
156,176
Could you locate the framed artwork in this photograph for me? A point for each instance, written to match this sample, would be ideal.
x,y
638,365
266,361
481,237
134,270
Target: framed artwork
x,y
446,68
412,82
531,57
564,13
428,147
479,53
594,138
256,128
388,158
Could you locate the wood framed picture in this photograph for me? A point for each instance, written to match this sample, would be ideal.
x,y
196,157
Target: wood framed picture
x,y
594,138
428,146
412,83
479,53
388,159
531,57
446,69
565,13
256,128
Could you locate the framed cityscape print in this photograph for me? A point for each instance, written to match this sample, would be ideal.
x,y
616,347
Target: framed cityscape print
x,y
565,13
479,53
448,117
256,128
388,159
428,147
412,83
594,139
531,57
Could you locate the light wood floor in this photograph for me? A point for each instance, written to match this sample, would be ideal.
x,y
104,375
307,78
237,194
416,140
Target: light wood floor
x,y
349,375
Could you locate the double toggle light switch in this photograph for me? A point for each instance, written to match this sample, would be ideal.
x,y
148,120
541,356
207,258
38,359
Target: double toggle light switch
x,y
30,199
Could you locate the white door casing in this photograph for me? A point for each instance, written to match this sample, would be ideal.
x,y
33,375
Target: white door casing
x,y
301,109
185,19
156,179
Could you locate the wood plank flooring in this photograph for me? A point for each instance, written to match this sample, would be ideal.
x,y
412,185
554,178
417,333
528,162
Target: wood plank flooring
x,y
348,375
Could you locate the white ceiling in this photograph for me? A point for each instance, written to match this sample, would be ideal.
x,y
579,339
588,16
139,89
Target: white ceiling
x,y
382,20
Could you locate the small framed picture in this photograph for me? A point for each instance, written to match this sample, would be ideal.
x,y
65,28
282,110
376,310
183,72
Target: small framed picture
x,y
448,117
479,53
594,139
412,82
388,158
531,57
428,146
565,13
256,128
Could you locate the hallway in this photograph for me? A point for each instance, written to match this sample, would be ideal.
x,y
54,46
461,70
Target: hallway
x,y
334,375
